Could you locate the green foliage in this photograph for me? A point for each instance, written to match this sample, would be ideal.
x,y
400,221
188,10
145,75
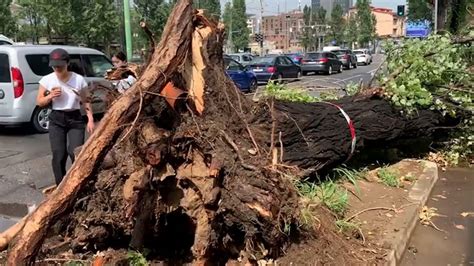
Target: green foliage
x,y
352,88
227,17
213,7
155,13
281,92
74,263
284,93
351,31
240,32
337,24
312,18
366,22
99,21
434,73
136,259
333,196
409,178
419,10
388,177
7,22
347,227
351,175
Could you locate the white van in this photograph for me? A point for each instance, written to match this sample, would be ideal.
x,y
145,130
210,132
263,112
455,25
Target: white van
x,y
21,68
331,48
5,41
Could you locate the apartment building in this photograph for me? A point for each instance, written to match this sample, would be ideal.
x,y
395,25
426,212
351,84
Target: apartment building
x,y
388,24
284,30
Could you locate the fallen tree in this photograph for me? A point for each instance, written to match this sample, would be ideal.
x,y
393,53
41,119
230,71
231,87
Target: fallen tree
x,y
185,166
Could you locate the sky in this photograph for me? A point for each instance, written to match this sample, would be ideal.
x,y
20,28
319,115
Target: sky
x,y
270,7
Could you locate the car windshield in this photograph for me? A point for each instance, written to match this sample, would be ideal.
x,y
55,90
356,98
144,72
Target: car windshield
x,y
358,52
235,57
263,60
314,55
340,52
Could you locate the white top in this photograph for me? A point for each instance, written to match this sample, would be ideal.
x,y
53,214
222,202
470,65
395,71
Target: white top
x,y
68,100
125,84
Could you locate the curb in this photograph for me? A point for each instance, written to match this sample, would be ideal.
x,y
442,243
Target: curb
x,y
419,195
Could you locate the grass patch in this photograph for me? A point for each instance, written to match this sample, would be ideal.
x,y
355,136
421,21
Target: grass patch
x,y
333,196
409,178
136,258
347,227
74,263
388,177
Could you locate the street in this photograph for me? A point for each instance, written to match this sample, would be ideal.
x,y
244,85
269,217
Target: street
x,y
315,83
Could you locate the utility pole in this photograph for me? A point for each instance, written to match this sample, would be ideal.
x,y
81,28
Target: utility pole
x,y
128,29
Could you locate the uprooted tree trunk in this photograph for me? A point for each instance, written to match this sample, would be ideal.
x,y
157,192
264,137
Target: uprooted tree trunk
x,y
185,166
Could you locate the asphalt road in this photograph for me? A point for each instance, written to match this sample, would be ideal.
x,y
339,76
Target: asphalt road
x,y
316,83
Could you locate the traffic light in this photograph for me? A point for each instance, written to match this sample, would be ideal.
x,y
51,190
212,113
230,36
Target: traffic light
x,y
401,10
258,37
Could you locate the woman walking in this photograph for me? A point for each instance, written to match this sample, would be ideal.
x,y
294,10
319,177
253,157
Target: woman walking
x,y
64,91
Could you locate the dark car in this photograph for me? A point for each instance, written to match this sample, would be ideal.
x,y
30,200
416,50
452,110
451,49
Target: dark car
x,y
295,57
244,78
276,67
347,57
326,62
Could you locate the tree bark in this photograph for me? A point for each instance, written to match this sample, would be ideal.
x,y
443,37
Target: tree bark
x,y
170,55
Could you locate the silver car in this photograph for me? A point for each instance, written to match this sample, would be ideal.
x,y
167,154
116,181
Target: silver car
x,y
21,68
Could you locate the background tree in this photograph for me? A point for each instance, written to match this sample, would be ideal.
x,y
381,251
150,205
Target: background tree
x,y
227,18
213,7
34,26
154,13
7,22
60,21
351,31
337,24
240,32
366,22
307,38
419,10
101,23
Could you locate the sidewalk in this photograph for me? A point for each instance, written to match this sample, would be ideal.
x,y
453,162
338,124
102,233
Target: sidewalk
x,y
453,196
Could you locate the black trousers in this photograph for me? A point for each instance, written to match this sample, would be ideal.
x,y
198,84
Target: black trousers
x,y
66,132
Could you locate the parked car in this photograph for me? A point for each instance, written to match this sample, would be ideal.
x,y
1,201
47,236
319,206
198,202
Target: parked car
x,y
243,78
21,68
277,67
363,56
326,62
296,57
242,58
347,57
5,41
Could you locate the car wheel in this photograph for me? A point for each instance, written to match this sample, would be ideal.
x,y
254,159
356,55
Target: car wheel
x,y
253,85
40,119
329,70
341,67
298,75
280,79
